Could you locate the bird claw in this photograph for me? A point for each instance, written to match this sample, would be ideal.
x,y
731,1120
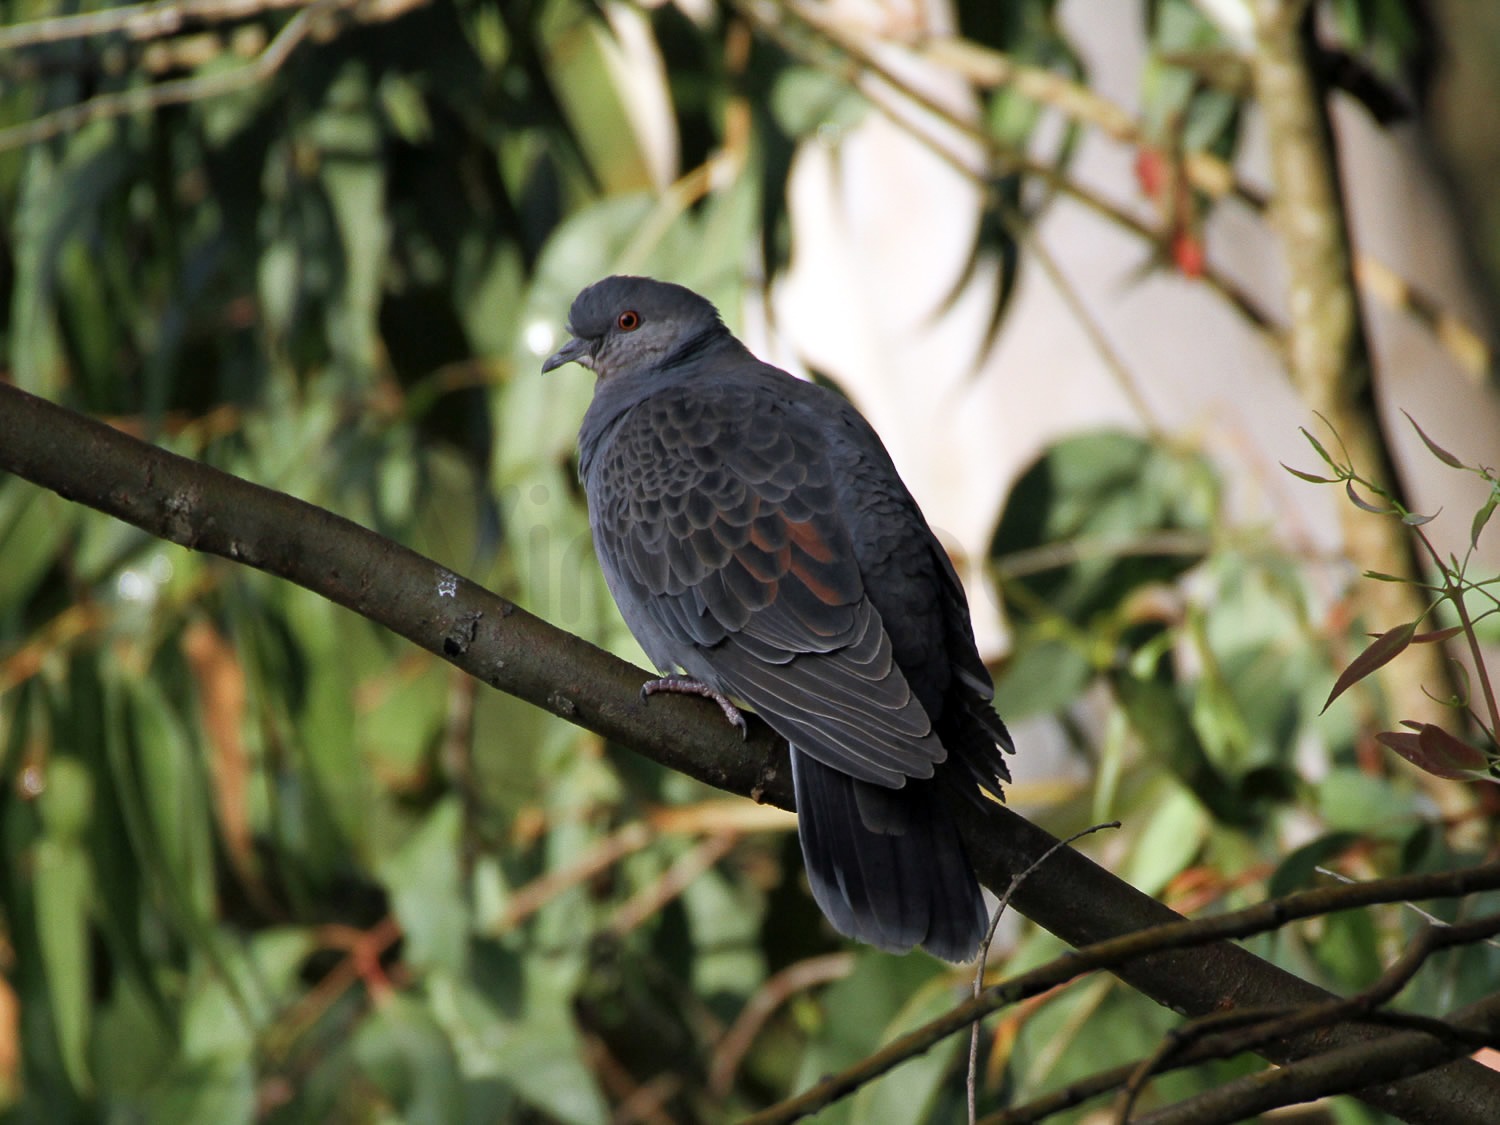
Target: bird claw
x,y
687,685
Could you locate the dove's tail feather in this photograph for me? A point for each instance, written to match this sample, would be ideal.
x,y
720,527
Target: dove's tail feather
x,y
886,866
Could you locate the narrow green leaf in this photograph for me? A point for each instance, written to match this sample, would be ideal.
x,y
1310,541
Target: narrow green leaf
x,y
1412,519
1481,518
1385,648
1437,450
402,1049
426,889
63,888
1461,684
1311,478
1318,448
917,1096
1381,576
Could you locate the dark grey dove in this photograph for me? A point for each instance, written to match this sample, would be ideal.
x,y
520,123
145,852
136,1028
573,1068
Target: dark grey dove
x,y
756,536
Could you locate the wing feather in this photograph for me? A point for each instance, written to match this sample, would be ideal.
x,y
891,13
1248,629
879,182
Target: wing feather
x,y
749,578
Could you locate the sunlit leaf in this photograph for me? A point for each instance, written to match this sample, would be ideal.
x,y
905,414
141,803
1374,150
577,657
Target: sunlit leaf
x,y
427,893
914,1096
1353,801
1169,841
63,888
1101,511
1045,675
407,1055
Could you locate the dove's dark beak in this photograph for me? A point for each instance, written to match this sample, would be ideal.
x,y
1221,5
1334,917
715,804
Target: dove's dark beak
x,y
576,350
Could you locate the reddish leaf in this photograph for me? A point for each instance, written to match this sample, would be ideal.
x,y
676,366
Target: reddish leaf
x,y
1187,253
1437,450
1439,753
1381,651
1437,635
1151,173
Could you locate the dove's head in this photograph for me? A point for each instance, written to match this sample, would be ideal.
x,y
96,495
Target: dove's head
x,y
625,326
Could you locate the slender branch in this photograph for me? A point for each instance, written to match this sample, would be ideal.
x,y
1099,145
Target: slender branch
x,y
873,79
776,991
1118,953
198,87
988,68
1215,177
137,21
1349,1069
1226,1044
491,638
984,950
1105,1081
1455,594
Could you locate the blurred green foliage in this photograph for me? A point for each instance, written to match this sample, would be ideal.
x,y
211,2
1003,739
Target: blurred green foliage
x,y
260,861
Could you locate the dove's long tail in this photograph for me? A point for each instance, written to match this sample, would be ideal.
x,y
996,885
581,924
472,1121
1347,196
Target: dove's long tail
x,y
886,865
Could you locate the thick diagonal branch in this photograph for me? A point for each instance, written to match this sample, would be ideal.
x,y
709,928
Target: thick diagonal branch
x,y
491,638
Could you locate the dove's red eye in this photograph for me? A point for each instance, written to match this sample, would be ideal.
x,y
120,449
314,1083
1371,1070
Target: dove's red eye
x,y
629,320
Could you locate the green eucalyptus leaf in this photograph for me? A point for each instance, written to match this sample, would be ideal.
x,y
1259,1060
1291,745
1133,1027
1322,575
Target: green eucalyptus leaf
x,y
406,1054
1097,517
427,891
1298,871
63,888
1170,841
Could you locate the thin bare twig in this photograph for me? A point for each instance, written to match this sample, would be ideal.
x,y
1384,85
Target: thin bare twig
x,y
1264,917
604,854
1105,1081
1215,177
989,937
993,159
1425,915
1356,1068
198,87
137,21
776,991
1428,941
677,878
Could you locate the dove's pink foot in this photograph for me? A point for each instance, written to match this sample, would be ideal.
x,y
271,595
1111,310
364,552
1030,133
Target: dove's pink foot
x,y
687,685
